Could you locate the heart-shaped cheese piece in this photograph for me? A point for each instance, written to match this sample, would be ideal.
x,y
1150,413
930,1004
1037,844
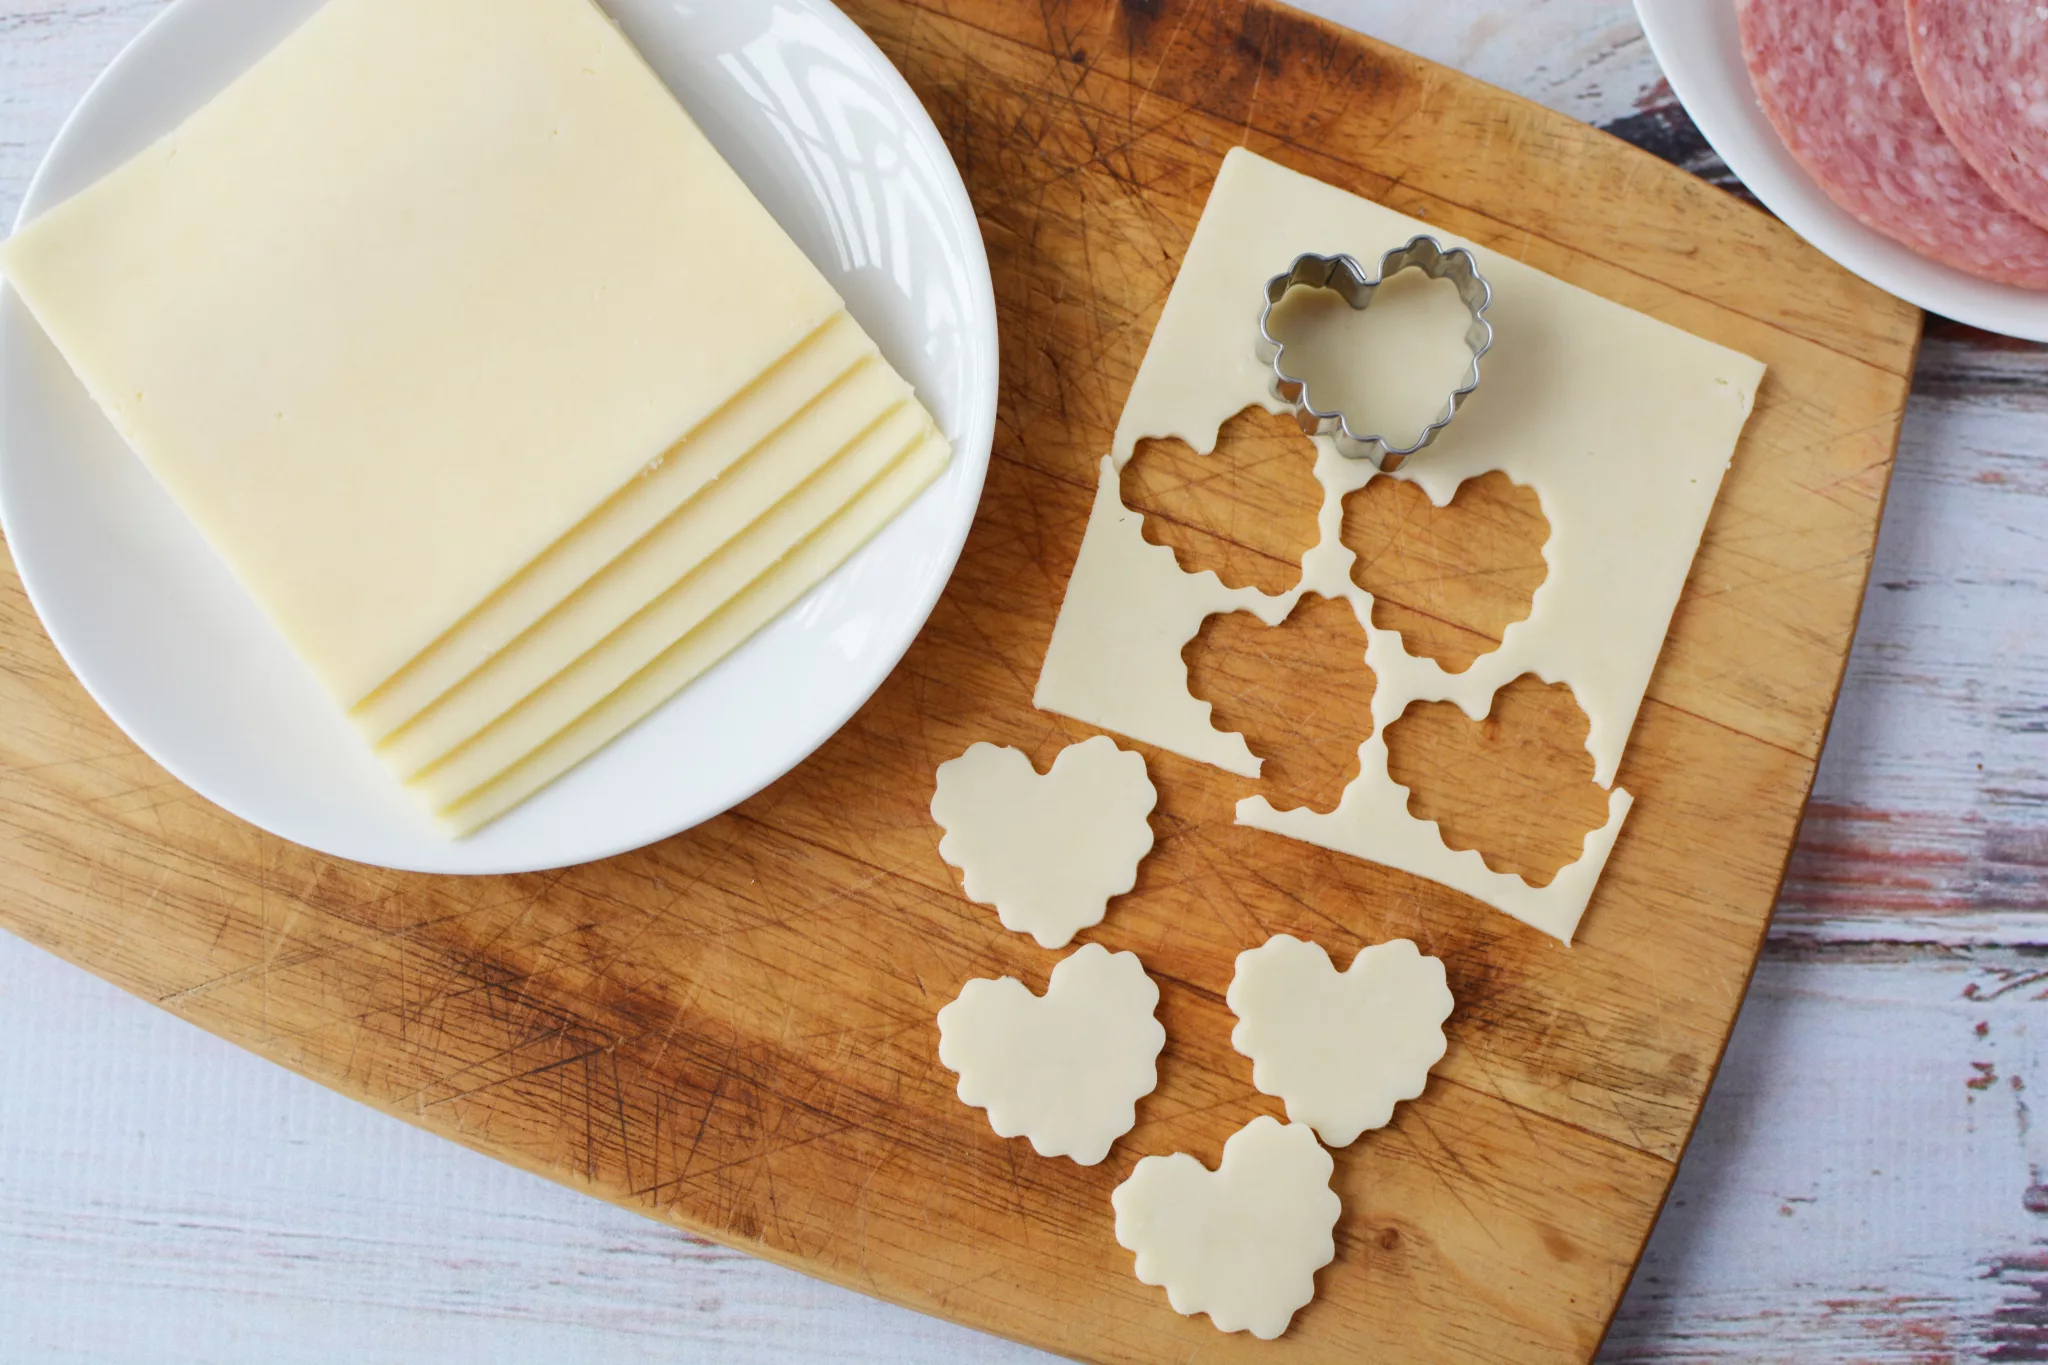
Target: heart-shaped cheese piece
x,y
1065,1069
1048,852
1241,1243
1340,1048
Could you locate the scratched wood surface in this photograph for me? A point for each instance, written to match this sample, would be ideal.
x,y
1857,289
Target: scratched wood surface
x,y
732,1031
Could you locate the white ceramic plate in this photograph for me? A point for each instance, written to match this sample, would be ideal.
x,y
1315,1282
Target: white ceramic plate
x,y
829,135
1699,47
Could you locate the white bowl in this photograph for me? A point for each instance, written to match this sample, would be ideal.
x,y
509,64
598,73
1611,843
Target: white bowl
x,y
1700,48
832,139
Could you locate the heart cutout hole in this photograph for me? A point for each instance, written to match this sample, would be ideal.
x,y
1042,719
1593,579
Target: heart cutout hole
x,y
1247,510
1451,579
1300,694
1517,787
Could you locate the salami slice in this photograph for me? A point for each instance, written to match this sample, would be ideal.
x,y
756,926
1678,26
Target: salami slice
x,y
1835,78
1984,67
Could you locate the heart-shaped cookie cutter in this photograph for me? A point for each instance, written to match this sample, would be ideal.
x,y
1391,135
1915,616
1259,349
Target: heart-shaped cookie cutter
x,y
1344,274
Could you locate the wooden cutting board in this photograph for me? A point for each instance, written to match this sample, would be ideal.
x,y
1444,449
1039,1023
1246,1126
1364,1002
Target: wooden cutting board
x,y
733,1030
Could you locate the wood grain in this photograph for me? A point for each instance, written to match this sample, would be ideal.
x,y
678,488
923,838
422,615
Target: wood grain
x,y
1449,578
732,1030
1246,512
1300,693
1518,786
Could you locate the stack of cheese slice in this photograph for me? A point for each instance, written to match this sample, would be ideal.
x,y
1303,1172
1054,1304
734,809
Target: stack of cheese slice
x,y
491,381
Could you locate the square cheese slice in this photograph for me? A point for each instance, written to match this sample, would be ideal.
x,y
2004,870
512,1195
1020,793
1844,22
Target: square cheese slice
x,y
834,422
725,630
410,300
1622,424
772,404
683,609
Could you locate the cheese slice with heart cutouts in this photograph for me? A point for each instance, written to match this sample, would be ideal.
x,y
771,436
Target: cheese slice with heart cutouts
x,y
1623,425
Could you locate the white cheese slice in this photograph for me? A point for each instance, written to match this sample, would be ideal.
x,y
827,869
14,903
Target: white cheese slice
x,y
1065,1069
1340,1048
672,615
408,301
763,599
776,399
1243,1242
842,417
1049,851
1623,425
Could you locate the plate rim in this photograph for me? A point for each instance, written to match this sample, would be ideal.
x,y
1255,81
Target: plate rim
x,y
1734,125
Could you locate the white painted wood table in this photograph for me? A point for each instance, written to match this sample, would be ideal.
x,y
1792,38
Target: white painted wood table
x,y
1866,1184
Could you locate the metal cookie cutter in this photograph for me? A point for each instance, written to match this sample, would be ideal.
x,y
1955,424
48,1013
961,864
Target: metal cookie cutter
x,y
1345,275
